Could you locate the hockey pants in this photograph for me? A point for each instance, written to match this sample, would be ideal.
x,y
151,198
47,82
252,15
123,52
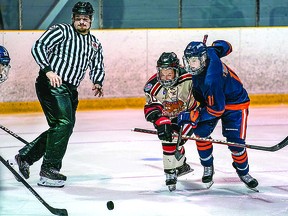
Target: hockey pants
x,y
59,105
234,129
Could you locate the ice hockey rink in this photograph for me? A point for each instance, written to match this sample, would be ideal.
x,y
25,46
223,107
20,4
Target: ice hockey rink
x,y
106,161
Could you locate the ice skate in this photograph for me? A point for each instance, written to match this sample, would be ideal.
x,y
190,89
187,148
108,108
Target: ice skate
x,y
51,178
249,182
207,177
171,180
23,166
46,182
183,170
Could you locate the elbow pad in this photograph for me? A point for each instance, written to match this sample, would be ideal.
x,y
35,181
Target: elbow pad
x,y
153,115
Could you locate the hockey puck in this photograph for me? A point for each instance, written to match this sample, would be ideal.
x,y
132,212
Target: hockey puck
x,y
110,205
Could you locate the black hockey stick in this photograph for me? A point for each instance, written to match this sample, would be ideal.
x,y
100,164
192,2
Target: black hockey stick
x,y
178,154
274,148
13,134
55,211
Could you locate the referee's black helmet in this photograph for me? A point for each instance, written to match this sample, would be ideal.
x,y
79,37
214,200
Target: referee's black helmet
x,y
83,8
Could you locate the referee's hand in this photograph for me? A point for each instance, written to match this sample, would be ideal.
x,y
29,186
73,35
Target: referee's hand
x,y
55,80
98,90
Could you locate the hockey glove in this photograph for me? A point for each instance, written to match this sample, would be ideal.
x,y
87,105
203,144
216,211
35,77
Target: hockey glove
x,y
188,117
164,128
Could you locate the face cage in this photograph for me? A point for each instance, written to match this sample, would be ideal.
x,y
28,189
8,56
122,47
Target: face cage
x,y
4,70
168,83
195,71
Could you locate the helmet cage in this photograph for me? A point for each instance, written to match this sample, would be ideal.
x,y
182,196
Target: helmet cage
x,y
168,60
195,56
167,83
195,64
4,64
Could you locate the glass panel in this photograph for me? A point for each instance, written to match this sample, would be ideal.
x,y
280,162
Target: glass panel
x,y
218,13
41,14
274,13
140,14
9,14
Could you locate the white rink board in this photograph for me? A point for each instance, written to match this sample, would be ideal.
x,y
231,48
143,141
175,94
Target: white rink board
x,y
258,57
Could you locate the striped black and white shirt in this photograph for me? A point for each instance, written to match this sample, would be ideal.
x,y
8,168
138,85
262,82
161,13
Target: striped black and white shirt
x,y
69,54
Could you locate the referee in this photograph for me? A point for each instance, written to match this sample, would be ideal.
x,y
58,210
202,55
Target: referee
x,y
64,53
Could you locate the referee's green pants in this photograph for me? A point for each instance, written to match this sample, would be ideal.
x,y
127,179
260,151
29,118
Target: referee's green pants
x,y
59,106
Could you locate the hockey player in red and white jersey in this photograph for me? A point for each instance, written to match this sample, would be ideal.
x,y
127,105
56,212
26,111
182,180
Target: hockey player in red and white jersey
x,y
168,92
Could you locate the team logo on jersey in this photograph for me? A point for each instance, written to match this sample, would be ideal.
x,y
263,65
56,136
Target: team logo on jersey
x,y
148,87
94,46
172,108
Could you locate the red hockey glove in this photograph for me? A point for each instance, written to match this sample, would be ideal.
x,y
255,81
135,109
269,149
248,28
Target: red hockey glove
x,y
164,128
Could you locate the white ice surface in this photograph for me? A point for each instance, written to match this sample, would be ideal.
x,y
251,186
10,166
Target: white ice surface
x,y
106,161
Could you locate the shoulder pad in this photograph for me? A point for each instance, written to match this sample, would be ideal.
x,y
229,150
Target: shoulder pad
x,y
150,83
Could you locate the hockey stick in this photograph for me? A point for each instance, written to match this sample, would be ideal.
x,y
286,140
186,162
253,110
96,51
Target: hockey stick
x,y
61,212
13,134
205,38
55,211
274,148
178,154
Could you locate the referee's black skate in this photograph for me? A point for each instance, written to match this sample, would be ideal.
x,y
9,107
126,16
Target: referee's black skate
x,y
207,177
23,166
171,179
51,178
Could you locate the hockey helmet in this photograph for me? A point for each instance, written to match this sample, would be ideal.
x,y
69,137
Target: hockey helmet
x,y
4,64
168,64
83,8
195,56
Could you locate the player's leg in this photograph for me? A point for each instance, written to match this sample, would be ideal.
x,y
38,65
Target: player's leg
x,y
170,162
234,129
205,149
183,168
174,166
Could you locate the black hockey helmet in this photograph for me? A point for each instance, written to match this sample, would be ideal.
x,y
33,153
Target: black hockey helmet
x,y
83,8
168,60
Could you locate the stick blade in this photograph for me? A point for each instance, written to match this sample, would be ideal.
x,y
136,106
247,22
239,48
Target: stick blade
x,y
60,212
282,144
